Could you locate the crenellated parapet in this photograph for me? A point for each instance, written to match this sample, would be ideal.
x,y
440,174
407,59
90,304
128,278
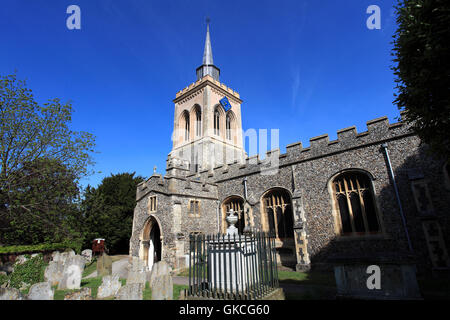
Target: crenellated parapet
x,y
190,185
378,131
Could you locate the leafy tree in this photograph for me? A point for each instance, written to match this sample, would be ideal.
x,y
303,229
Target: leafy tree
x,y
44,201
422,51
108,211
41,162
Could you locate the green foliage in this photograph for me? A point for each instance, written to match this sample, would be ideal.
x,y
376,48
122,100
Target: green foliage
x,y
3,279
108,211
422,51
147,294
30,272
177,288
73,244
41,162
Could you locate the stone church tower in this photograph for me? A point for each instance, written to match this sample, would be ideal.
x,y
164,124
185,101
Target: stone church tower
x,y
207,121
329,201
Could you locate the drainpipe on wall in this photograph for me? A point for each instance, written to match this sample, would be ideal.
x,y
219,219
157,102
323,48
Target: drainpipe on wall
x,y
245,188
217,216
391,173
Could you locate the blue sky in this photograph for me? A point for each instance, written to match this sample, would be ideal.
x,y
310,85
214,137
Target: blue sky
x,y
303,67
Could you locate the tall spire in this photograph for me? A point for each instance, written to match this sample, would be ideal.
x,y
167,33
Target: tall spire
x,y
207,53
208,67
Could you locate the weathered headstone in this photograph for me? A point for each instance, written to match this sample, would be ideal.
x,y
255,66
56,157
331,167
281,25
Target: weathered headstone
x,y
83,294
41,291
104,265
137,271
11,294
73,270
54,272
160,268
109,287
162,288
20,260
62,257
133,291
87,254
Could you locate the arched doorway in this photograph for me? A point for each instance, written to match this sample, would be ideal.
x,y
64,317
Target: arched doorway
x,y
278,219
151,242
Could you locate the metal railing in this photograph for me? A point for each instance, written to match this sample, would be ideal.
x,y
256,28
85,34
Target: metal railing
x,y
232,266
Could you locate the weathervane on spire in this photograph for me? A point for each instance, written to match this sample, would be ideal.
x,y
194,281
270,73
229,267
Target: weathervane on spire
x,y
208,20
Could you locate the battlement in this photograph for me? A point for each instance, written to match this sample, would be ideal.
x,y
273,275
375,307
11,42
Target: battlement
x,y
176,185
203,80
378,130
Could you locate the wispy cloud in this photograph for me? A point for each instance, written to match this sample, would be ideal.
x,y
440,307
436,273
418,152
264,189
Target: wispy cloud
x,y
295,86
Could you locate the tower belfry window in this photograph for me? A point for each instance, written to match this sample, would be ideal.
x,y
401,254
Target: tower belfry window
x,y
216,122
228,127
198,129
186,128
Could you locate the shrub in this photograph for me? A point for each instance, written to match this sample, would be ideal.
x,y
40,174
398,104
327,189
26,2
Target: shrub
x,y
30,272
73,244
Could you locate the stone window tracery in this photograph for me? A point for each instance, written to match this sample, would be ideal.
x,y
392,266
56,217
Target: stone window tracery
x,y
355,204
278,210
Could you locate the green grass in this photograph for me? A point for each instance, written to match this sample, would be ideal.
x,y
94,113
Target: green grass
x,y
90,268
177,288
94,283
308,278
147,295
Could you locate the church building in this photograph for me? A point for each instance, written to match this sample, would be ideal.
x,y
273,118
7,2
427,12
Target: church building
x,y
375,193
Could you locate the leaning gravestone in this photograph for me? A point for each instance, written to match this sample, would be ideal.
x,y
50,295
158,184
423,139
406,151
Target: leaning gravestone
x,y
62,257
83,294
104,265
110,286
87,254
133,291
54,272
11,294
73,270
160,268
162,288
41,291
137,271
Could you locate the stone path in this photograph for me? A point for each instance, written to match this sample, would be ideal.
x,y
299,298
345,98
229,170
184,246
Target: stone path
x,y
118,267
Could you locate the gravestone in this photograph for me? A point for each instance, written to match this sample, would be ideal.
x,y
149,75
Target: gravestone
x,y
162,288
62,257
137,271
20,260
73,270
87,254
11,294
133,291
83,294
104,265
109,287
395,274
54,272
41,291
160,268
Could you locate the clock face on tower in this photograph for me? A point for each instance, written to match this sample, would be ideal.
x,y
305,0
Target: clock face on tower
x,y
225,103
